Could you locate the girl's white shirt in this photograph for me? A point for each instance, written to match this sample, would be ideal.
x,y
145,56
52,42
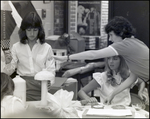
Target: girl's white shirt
x,y
29,62
11,105
122,98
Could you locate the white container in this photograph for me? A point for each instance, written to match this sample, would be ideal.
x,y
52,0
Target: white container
x,y
20,88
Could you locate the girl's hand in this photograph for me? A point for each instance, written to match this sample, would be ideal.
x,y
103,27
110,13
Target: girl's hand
x,y
108,99
89,100
92,100
60,58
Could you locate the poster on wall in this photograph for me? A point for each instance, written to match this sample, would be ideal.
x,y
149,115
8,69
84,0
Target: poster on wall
x,y
89,18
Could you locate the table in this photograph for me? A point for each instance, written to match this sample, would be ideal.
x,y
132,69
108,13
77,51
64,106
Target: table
x,y
81,110
136,114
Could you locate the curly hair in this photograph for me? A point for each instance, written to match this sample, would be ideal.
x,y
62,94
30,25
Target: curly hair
x,y
123,71
31,20
7,85
121,27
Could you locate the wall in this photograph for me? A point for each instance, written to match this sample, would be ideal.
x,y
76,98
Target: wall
x,y
47,21
59,17
137,12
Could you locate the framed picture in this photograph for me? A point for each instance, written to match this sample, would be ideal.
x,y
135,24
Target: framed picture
x,y
88,17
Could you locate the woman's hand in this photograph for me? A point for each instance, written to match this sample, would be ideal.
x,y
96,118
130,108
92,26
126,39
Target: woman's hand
x,y
140,94
60,58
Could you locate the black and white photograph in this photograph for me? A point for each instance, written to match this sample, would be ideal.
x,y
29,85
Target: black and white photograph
x,y
74,59
89,18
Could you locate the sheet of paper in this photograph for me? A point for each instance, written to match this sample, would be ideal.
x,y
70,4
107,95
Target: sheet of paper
x,y
109,112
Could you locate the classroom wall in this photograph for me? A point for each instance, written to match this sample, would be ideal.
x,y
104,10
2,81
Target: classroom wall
x,y
39,6
48,20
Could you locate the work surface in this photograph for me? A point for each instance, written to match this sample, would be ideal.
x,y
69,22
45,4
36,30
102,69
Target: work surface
x,y
107,112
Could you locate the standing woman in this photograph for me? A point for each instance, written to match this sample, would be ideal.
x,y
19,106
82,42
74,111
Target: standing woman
x,y
134,51
31,55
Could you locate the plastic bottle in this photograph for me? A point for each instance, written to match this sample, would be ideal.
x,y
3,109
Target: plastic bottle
x,y
20,88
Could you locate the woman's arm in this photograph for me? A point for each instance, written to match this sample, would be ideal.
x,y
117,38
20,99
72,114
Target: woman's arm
x,y
126,84
89,55
83,93
81,70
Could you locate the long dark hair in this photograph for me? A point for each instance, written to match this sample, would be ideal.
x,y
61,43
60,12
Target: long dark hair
x,y
31,20
7,85
121,27
123,71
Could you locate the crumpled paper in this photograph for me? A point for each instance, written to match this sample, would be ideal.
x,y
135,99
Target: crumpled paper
x,y
60,104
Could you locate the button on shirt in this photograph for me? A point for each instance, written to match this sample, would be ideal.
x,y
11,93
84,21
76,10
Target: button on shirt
x,y
29,62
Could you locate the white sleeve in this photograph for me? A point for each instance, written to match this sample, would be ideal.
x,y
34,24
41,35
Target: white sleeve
x,y
99,77
114,50
50,61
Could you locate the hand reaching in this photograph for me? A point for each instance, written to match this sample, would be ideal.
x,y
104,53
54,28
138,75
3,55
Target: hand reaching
x,y
92,100
108,99
71,72
140,94
144,96
89,100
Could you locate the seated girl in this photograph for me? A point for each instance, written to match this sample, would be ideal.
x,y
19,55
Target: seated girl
x,y
116,72
9,103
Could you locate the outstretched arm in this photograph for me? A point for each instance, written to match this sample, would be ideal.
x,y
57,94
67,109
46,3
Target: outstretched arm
x,y
83,93
89,55
81,70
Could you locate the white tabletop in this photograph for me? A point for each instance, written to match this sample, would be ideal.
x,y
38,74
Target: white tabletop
x,y
81,109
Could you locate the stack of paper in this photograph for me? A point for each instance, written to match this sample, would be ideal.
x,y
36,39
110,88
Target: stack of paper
x,y
109,112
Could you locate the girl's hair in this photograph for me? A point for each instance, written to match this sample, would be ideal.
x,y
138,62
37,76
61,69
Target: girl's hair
x,y
122,69
7,85
31,20
121,27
